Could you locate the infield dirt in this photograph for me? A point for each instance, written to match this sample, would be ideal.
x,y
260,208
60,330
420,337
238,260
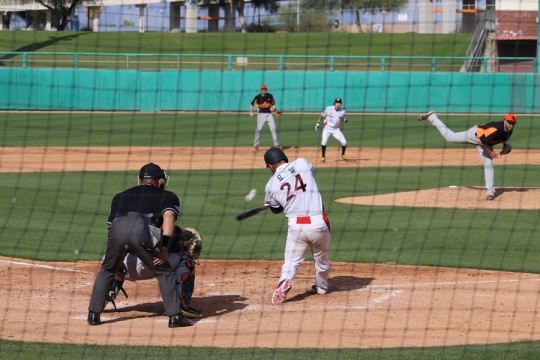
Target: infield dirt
x,y
369,306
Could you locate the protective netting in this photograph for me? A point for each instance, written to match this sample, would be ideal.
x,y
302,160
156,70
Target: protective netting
x,y
402,109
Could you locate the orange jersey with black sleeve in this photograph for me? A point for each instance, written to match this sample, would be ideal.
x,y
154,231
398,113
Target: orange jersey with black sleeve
x,y
264,102
493,133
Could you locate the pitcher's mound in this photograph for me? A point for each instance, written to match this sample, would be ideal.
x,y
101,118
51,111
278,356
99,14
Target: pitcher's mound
x,y
461,197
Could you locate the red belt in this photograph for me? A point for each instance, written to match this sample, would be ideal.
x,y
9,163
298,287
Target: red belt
x,y
307,219
303,220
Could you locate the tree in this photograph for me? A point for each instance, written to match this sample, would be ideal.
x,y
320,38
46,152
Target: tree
x,y
35,19
239,5
270,6
314,15
61,11
371,6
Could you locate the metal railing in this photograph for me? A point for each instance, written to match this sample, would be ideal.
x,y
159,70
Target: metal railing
x,y
239,62
477,46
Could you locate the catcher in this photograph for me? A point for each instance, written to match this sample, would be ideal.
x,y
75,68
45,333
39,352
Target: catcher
x,y
183,256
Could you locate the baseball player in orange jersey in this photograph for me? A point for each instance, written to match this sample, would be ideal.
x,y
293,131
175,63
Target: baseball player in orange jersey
x,y
265,105
292,190
484,137
333,116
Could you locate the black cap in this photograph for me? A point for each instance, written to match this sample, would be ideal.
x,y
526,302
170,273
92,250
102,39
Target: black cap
x,y
274,155
152,171
338,100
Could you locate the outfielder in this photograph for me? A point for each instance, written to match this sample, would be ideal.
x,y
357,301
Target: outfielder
x,y
333,116
292,190
265,105
484,137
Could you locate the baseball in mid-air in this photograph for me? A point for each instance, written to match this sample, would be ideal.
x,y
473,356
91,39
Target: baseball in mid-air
x,y
250,195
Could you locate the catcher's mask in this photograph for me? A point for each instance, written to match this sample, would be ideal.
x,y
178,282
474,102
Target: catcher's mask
x,y
274,155
154,172
511,118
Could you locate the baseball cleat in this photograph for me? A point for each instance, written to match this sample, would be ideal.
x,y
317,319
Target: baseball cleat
x,y
425,116
281,291
317,290
256,148
344,157
323,159
490,197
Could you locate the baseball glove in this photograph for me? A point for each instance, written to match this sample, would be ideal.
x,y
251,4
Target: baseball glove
x,y
506,149
193,242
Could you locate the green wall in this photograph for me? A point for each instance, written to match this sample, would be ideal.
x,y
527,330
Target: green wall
x,y
214,90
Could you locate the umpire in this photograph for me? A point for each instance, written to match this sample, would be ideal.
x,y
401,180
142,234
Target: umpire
x,y
134,212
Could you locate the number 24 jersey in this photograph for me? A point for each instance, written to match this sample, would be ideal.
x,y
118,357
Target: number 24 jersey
x,y
294,188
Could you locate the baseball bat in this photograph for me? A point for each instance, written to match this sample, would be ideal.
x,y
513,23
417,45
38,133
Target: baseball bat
x,y
249,213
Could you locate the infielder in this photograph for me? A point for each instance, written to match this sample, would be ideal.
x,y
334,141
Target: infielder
x,y
292,190
484,137
332,116
265,105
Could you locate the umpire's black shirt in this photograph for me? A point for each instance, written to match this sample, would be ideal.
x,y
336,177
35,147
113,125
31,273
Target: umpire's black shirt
x,y
144,199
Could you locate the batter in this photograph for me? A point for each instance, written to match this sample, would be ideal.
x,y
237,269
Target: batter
x,y
292,190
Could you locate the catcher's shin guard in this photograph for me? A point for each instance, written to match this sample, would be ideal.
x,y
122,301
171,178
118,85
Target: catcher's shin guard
x,y
113,293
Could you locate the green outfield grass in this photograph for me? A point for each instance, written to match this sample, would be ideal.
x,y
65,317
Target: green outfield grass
x,y
226,129
63,217
34,351
237,43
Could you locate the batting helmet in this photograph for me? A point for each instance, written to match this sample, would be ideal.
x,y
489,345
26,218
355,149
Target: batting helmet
x,y
264,87
511,118
338,100
274,155
154,172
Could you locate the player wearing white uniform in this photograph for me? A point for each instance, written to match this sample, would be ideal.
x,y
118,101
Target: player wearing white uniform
x,y
333,116
292,190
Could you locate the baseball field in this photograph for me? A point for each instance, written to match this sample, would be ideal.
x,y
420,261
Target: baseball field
x,y
424,267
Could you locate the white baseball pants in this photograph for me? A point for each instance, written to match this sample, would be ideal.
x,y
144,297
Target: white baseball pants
x,y
336,133
315,236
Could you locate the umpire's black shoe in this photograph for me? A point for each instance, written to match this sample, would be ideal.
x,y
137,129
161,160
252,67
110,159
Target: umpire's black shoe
x,y
179,321
93,318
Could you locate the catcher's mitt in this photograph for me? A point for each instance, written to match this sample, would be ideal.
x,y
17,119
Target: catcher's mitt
x,y
192,241
506,149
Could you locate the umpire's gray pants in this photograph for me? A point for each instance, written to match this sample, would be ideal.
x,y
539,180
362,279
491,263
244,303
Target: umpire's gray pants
x,y
125,236
468,137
